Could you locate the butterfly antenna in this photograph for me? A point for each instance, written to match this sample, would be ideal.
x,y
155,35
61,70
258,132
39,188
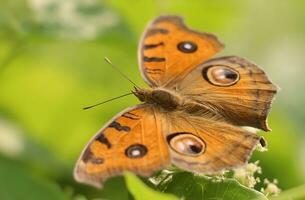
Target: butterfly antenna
x,y
88,107
120,72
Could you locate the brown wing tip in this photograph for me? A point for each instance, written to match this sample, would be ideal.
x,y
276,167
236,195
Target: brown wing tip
x,y
254,139
266,111
245,160
264,123
81,176
172,18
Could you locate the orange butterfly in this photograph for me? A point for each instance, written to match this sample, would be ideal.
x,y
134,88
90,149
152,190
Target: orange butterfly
x,y
191,114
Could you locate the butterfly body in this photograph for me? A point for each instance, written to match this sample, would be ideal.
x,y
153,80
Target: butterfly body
x,y
191,116
163,98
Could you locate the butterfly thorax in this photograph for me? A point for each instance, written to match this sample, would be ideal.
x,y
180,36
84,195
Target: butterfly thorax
x,y
170,100
164,98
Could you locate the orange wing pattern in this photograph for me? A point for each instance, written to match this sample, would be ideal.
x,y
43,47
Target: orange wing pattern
x,y
132,141
168,48
234,88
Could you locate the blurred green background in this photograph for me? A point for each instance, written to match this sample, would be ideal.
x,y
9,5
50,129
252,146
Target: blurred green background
x,y
51,65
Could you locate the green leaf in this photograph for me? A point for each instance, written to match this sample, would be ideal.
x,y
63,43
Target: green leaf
x,y
16,184
191,186
140,191
296,193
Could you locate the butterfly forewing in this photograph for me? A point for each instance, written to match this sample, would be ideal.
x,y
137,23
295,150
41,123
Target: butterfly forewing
x,y
131,141
168,49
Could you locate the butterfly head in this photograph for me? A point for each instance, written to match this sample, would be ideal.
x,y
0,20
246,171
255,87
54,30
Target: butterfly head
x,y
141,94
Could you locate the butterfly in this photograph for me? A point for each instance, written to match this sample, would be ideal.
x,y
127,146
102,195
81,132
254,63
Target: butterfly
x,y
191,116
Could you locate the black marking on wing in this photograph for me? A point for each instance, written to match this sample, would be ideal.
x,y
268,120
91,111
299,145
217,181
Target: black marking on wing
x,y
153,59
102,139
154,31
157,69
263,142
151,46
116,125
130,113
131,116
89,157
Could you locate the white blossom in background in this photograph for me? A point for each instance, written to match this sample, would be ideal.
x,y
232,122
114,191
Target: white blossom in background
x,y
246,175
84,19
271,188
11,141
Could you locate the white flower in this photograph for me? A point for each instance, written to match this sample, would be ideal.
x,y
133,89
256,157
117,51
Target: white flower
x,y
271,188
246,175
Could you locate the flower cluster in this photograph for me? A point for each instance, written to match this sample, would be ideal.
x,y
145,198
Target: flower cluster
x,y
271,188
246,174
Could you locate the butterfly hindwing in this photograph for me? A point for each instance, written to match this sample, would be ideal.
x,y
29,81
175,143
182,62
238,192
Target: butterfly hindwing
x,y
237,90
206,146
131,141
168,48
